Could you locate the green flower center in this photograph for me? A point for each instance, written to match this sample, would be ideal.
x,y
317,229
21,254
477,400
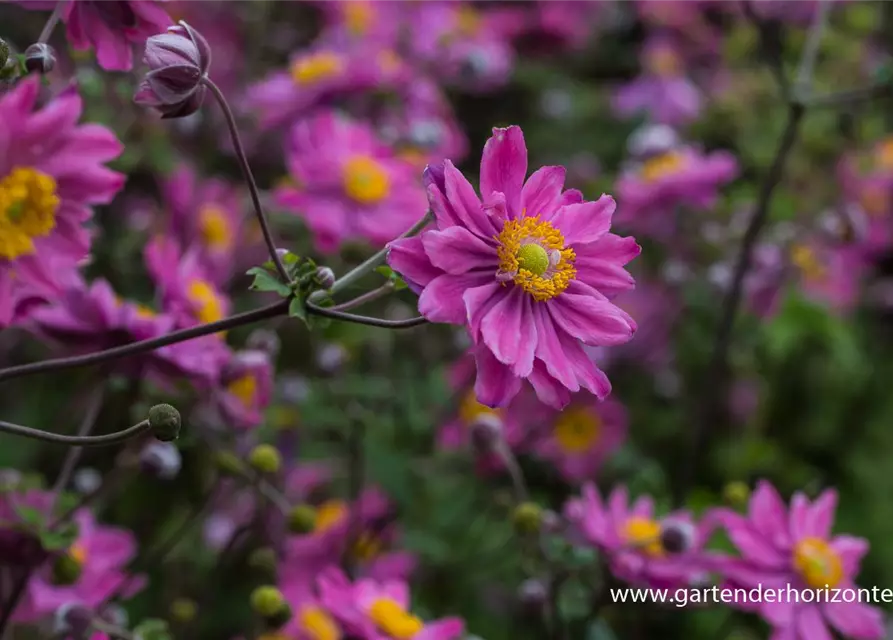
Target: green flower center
x,y
533,258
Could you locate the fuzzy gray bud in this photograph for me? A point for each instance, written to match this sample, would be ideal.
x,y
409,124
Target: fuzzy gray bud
x,y
325,277
40,58
165,422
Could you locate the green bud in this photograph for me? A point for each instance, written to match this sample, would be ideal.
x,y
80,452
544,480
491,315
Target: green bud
x,y
183,610
66,570
267,601
164,421
280,618
527,517
265,458
302,519
263,559
229,463
4,53
736,493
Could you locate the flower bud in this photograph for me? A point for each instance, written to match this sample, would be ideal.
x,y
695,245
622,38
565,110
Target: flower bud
x,y
485,432
302,519
267,601
183,610
325,277
736,493
40,58
161,459
280,618
677,536
4,53
164,420
527,518
532,595
66,570
263,559
178,61
228,463
265,458
72,620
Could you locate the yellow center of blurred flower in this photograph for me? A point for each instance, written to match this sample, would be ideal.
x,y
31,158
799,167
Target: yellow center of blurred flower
x,y
874,199
78,553
28,205
468,21
394,620
643,534
576,430
316,67
329,514
470,409
317,624
367,547
817,563
415,157
365,180
532,254
244,388
358,15
664,62
806,260
884,154
215,228
208,305
144,311
662,166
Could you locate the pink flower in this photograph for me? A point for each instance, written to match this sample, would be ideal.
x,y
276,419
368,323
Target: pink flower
x,y
51,173
641,548
793,548
102,553
655,308
380,610
867,181
653,190
528,271
244,390
112,28
830,274
349,185
579,438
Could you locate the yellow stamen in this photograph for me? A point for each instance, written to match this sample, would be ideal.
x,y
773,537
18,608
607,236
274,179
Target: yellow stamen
x,y
516,257
317,67
208,304
28,205
470,409
244,388
577,429
317,624
78,552
817,563
329,514
144,311
644,535
394,620
366,180
808,262
358,15
215,227
662,166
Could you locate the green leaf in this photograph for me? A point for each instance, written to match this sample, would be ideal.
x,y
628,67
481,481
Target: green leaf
x,y
30,515
393,276
58,539
297,310
266,281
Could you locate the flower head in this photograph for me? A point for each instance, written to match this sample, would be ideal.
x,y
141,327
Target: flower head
x,y
178,62
528,268
245,389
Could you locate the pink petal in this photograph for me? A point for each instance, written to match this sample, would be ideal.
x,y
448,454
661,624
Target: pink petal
x,y
820,515
549,351
595,321
457,250
504,166
585,222
769,514
510,332
571,196
855,619
441,300
548,390
478,303
588,374
755,548
851,551
541,194
446,629
810,625
495,385
798,515
408,258
465,202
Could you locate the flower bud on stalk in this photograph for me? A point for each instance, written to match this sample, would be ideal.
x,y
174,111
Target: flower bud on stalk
x,y
265,458
40,58
164,421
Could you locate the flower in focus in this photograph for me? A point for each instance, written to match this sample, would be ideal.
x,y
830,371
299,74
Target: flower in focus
x,y
783,547
51,173
529,271
641,548
101,553
178,62
245,389
349,185
653,189
579,438
380,610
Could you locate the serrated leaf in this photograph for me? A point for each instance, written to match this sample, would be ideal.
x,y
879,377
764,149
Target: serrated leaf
x,y
266,281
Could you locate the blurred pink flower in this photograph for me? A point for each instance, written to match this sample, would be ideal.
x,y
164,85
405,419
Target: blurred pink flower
x,y
549,24
348,185
51,173
244,389
793,548
656,308
102,553
527,271
866,179
829,273
641,548
380,610
578,439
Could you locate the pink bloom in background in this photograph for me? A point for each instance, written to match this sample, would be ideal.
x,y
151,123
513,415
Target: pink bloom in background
x,y
763,282
207,214
349,186
830,274
311,618
51,173
867,181
92,317
655,307
663,91
363,21
380,610
793,547
529,271
653,191
549,24
244,389
113,28
102,553
578,439
642,548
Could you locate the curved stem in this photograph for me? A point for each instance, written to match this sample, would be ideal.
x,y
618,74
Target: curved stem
x,y
383,290
249,177
328,312
79,441
51,22
135,348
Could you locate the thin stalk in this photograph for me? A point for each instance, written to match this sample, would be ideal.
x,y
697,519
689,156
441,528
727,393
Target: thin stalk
x,y
79,441
51,23
329,312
